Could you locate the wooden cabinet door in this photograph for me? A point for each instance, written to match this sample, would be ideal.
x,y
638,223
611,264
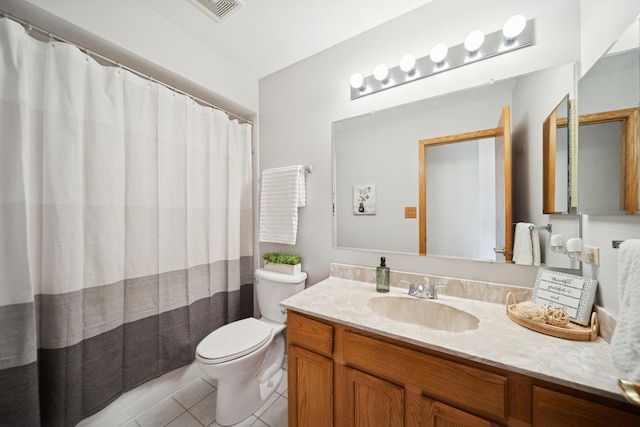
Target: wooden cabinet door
x,y
310,389
437,414
371,401
551,408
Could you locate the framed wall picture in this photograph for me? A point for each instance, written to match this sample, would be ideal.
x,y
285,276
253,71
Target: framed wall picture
x,y
364,199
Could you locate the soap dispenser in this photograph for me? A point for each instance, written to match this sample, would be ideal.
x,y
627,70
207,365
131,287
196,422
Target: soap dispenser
x,y
382,276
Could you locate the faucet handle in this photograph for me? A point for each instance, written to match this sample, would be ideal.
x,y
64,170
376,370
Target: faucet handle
x,y
434,290
412,287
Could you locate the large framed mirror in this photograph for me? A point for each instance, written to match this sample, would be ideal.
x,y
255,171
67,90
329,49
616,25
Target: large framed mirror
x,y
608,144
378,151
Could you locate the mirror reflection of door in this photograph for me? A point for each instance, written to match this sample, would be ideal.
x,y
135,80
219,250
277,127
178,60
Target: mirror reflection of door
x,y
470,174
608,141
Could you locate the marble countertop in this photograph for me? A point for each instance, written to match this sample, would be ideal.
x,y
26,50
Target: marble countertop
x,y
498,341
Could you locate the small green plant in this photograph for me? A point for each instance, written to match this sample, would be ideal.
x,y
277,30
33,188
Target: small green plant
x,y
280,258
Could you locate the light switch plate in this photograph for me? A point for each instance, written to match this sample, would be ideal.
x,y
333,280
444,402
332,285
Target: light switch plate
x,y
592,255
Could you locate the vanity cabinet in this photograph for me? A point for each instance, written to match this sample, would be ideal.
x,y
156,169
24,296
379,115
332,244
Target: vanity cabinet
x,y
370,401
344,377
310,372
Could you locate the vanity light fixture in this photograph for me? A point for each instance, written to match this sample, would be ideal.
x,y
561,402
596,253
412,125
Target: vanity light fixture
x,y
516,33
357,82
473,43
381,73
513,28
408,64
438,54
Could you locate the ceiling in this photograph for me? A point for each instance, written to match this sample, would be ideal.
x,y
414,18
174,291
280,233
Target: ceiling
x,y
267,36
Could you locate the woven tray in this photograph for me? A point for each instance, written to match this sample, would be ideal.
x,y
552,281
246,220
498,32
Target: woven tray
x,y
571,331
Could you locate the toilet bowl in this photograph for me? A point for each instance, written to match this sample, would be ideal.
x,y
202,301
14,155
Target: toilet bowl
x,y
245,356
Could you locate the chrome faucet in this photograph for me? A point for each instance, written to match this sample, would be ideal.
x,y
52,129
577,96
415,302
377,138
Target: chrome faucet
x,y
420,291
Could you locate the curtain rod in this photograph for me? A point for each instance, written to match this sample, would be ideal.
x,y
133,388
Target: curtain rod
x,y
53,36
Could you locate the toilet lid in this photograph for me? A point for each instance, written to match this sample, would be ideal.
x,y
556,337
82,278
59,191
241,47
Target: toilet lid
x,y
234,340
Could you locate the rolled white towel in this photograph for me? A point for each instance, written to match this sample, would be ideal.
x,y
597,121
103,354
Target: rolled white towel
x,y
625,343
526,244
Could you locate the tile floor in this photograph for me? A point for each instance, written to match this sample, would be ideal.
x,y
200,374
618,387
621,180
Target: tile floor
x,y
195,406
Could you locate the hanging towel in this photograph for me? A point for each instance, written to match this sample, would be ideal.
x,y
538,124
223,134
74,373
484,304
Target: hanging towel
x,y
625,343
282,192
526,245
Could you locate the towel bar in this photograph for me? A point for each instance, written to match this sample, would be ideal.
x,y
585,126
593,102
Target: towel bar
x,y
541,227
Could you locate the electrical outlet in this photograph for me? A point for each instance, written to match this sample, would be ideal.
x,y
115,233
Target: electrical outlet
x,y
410,212
592,255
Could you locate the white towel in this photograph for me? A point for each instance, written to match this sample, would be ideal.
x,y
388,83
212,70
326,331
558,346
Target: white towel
x,y
526,245
625,343
282,192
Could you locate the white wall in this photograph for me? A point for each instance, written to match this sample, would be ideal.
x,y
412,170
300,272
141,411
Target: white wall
x,y
602,23
299,103
147,42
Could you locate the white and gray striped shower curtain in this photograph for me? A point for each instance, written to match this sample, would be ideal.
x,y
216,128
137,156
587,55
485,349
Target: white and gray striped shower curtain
x,y
126,229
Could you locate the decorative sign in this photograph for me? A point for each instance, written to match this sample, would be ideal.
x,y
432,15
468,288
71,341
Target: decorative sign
x,y
575,294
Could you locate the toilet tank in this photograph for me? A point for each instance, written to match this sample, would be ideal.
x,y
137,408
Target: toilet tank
x,y
272,288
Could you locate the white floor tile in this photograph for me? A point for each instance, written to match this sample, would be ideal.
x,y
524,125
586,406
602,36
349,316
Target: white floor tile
x,y
161,414
266,404
210,380
185,420
248,422
205,410
194,393
276,415
131,423
259,423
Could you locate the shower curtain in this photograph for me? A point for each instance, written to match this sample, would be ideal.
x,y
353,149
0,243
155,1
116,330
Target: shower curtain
x,y
126,229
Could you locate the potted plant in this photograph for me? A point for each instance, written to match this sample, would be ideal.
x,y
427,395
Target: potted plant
x,y
282,263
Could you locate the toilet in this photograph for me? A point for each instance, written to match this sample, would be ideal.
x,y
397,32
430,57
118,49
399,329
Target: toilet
x,y
245,356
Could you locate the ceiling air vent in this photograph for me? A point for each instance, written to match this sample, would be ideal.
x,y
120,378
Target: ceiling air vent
x,y
220,10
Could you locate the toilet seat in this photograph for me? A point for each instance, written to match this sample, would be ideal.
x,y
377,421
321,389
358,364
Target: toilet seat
x,y
234,340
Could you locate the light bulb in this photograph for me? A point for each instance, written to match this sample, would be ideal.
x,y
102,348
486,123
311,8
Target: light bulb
x,y
473,41
439,53
408,63
357,81
513,28
381,73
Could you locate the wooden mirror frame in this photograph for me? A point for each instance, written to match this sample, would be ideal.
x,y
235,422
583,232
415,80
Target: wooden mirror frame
x,y
628,152
549,140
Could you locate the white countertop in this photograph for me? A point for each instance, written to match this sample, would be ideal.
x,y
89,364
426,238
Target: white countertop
x,y
498,341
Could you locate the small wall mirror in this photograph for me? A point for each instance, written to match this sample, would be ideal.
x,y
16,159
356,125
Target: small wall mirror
x,y
608,100
556,164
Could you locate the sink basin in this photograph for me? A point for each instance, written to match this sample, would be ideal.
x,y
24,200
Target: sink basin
x,y
424,313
